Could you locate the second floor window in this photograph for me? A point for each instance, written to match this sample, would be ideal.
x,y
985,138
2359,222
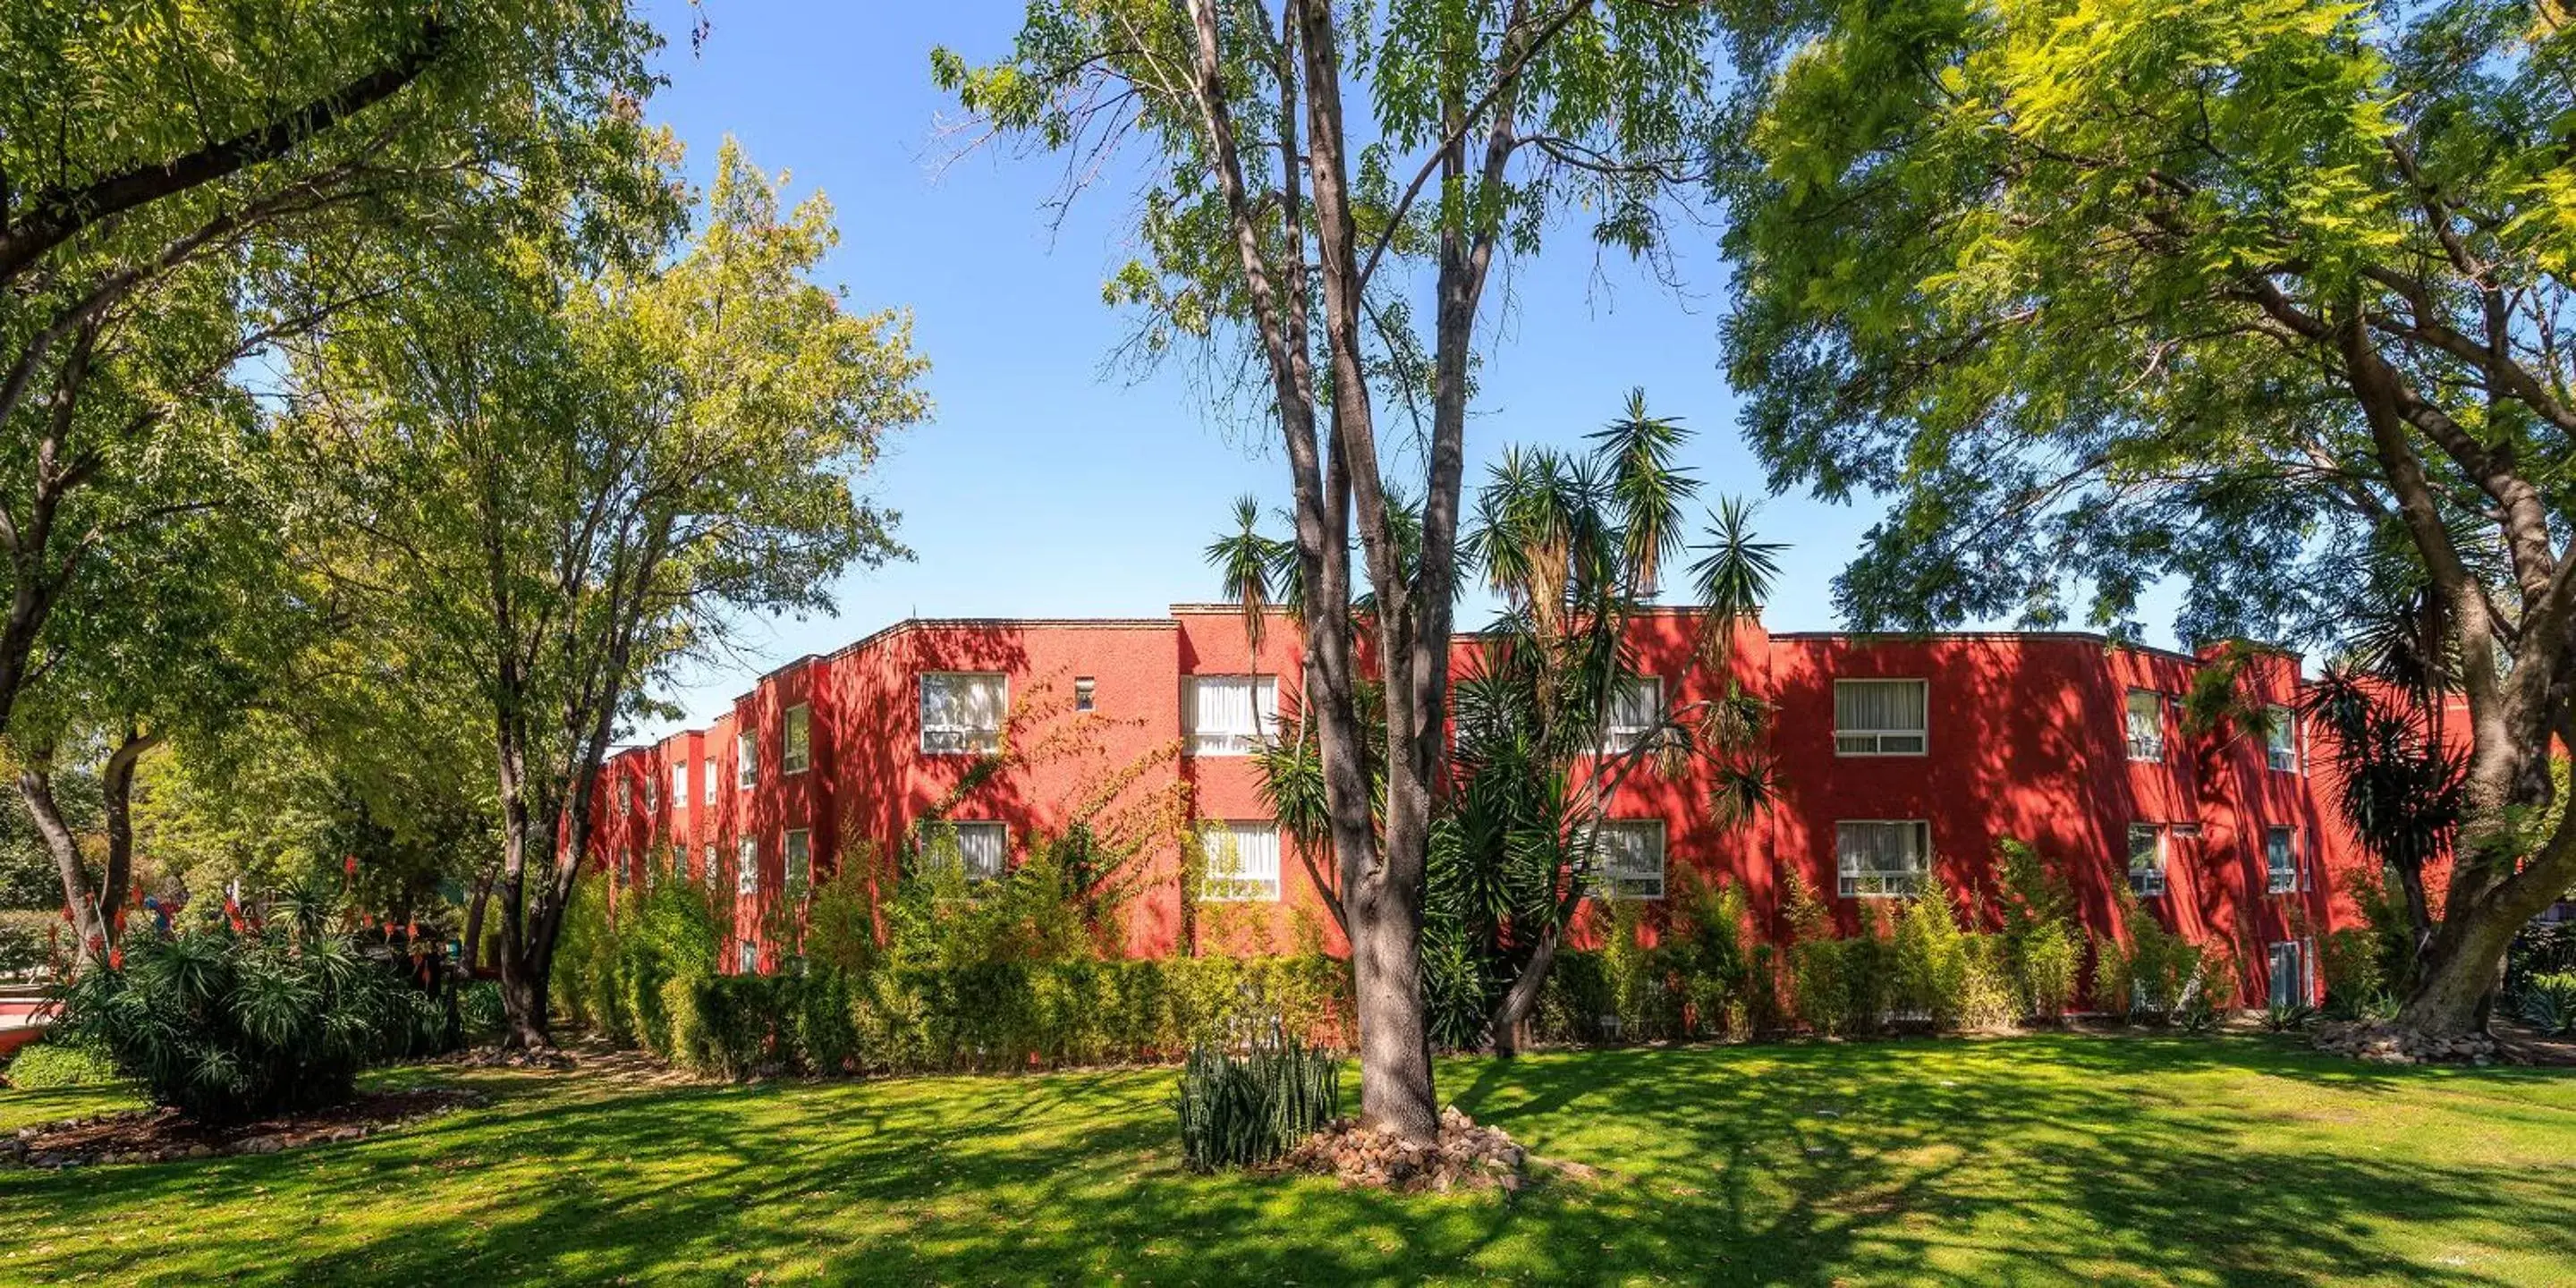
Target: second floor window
x,y
961,712
2281,740
1228,715
679,785
2146,725
1877,858
1880,717
797,750
707,775
746,761
799,848
2280,860
1636,707
708,873
2147,860
746,868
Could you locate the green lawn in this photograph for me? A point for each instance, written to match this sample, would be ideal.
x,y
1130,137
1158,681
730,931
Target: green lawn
x,y
2026,1160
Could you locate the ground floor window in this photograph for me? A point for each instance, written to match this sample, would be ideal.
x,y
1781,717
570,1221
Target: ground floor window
x,y
746,868
983,848
800,861
1241,862
1632,859
1882,858
747,958
2291,983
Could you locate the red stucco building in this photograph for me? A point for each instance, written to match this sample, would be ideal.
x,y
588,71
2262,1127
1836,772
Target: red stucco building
x,y
1897,755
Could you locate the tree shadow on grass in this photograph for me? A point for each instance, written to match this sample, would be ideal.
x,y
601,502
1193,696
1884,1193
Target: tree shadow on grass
x,y
2052,1159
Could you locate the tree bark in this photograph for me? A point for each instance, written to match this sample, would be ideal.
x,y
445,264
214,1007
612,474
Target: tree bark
x,y
116,789
36,787
1522,996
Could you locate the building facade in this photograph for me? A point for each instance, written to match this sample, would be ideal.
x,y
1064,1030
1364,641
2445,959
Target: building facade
x,y
1897,757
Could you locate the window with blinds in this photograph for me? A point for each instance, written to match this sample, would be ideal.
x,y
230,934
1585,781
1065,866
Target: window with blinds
x,y
1241,862
1632,859
1228,715
984,849
1636,707
961,712
2147,860
2146,725
1882,858
1880,717
2280,860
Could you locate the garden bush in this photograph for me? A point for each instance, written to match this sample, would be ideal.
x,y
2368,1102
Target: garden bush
x,y
480,1009
225,1026
1245,1110
26,940
48,1065
2549,1003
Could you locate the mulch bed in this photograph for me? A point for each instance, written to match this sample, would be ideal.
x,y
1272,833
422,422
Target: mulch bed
x,y
162,1135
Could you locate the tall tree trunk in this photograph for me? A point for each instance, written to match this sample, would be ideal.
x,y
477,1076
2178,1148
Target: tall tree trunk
x,y
1522,997
88,917
116,790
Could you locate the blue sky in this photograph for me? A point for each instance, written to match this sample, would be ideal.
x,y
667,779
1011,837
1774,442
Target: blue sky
x,y
1046,488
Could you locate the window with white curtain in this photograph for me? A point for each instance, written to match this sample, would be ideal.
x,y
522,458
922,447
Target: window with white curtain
x,y
2147,860
799,849
1882,857
707,777
649,783
1636,707
961,712
1880,717
746,760
1632,859
680,784
2281,740
1242,862
2146,725
984,849
2281,860
708,874
746,867
1228,715
796,750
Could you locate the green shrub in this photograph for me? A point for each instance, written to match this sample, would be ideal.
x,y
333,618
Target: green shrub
x,y
224,1027
1242,1111
2045,965
479,1008
2282,1017
2549,1003
48,1065
1931,954
610,971
2042,950
2353,963
1016,1015
26,940
2156,972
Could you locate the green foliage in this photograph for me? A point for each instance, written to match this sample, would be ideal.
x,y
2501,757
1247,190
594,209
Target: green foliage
x,y
2043,950
2549,1003
480,1011
224,1027
1245,1110
2156,972
48,1065
2354,968
610,972
27,939
2285,1017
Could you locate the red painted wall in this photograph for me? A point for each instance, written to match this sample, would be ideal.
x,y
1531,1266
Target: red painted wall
x,y
2026,738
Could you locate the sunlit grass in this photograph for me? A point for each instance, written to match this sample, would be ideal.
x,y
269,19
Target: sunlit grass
x,y
2026,1160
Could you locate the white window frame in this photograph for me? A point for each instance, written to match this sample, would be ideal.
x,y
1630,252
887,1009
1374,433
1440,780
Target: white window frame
x,y
1229,742
2153,747
709,875
746,760
796,739
1616,737
960,740
2281,741
2303,973
1611,884
2272,879
707,770
625,795
2149,883
1232,886
1883,883
746,958
1002,858
1878,738
746,869
679,784
796,850
652,791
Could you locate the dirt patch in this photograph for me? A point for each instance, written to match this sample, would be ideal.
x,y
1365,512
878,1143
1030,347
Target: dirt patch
x,y
163,1135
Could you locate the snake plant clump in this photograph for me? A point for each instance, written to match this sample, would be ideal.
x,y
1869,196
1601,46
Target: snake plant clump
x,y
1248,1109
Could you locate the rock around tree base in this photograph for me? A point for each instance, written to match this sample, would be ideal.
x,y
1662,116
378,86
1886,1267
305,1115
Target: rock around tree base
x,y
1466,1155
2389,1044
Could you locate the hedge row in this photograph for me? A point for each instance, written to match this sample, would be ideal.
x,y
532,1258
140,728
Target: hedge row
x,y
994,1016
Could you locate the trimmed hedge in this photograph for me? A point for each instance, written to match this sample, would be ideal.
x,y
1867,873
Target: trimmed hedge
x,y
995,1015
47,1065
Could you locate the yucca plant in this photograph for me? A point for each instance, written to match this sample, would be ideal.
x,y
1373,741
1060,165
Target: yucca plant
x,y
225,1026
2281,1017
1245,1110
2549,1004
